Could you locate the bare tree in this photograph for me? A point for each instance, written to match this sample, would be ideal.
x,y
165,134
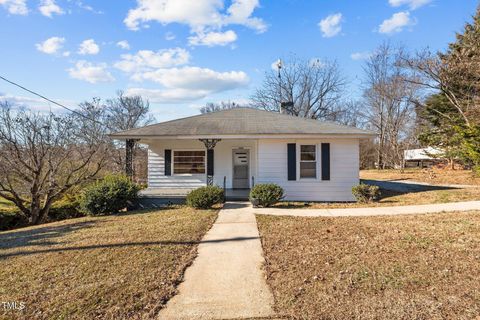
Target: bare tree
x,y
44,155
390,104
125,113
314,88
223,105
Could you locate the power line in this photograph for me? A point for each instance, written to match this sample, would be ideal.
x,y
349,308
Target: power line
x,y
49,100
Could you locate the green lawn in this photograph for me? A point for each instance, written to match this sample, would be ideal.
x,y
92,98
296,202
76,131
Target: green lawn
x,y
401,267
113,267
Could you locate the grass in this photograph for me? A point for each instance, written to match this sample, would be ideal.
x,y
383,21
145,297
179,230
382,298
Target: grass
x,y
401,267
6,206
395,198
114,267
433,176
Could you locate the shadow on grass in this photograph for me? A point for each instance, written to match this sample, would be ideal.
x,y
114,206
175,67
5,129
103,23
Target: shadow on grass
x,y
123,245
405,187
42,236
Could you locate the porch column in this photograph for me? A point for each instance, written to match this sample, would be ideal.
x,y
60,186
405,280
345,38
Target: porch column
x,y
210,145
129,157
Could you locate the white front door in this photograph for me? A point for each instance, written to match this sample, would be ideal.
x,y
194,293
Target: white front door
x,y
241,168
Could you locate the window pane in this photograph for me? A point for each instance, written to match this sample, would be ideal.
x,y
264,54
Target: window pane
x,y
308,169
192,162
307,148
309,156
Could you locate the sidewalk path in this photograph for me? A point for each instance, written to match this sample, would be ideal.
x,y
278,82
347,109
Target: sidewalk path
x,y
226,280
373,211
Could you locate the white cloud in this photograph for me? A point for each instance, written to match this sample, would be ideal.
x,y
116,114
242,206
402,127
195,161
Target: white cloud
x,y
88,47
123,44
167,95
195,78
188,83
83,6
15,6
360,55
413,4
146,60
49,7
396,23
51,45
331,25
90,72
66,54
211,39
202,16
169,36
34,104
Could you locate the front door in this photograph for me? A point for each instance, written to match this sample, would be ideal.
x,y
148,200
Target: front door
x,y
241,162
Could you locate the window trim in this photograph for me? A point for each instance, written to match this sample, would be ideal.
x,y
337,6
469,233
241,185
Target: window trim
x,y
299,161
188,174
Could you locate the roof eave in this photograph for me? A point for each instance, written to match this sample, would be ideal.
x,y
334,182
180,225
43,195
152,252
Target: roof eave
x,y
366,135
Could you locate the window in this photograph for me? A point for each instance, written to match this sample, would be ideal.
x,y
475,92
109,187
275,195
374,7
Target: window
x,y
308,161
188,162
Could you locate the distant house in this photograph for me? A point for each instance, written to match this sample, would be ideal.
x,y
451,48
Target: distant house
x,y
237,148
423,158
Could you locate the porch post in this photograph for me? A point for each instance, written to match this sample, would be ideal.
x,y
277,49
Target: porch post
x,y
210,145
129,157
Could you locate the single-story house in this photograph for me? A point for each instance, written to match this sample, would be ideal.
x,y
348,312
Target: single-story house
x,y
237,148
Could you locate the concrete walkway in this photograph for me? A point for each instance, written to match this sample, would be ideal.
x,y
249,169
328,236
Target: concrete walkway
x,y
226,280
372,211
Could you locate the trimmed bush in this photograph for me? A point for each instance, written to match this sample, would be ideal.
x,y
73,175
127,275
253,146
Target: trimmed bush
x,y
205,197
365,193
109,195
266,195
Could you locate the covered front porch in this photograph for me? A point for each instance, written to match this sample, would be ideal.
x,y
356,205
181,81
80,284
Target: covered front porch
x,y
176,166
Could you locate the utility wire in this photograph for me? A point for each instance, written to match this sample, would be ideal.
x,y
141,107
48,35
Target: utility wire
x,y
49,100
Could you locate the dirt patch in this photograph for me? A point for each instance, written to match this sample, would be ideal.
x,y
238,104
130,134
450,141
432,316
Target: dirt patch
x,y
402,267
113,267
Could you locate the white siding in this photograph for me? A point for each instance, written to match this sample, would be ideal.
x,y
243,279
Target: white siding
x,y
344,169
222,163
268,163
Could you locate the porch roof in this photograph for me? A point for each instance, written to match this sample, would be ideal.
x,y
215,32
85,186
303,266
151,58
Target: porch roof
x,y
241,122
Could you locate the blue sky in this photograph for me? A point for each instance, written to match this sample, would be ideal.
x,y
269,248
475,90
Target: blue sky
x,y
183,53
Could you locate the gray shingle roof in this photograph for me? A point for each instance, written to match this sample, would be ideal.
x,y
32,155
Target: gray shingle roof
x,y
241,121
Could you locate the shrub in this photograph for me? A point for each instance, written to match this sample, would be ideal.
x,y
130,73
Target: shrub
x,y
365,193
109,195
12,220
205,197
65,208
266,195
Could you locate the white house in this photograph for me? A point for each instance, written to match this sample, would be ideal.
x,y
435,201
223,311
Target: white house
x,y
237,148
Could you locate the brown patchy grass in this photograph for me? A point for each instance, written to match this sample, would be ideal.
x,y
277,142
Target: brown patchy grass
x,y
395,198
115,267
401,267
439,176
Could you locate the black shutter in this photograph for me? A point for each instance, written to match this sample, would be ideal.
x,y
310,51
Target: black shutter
x,y
292,161
210,162
325,161
168,162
